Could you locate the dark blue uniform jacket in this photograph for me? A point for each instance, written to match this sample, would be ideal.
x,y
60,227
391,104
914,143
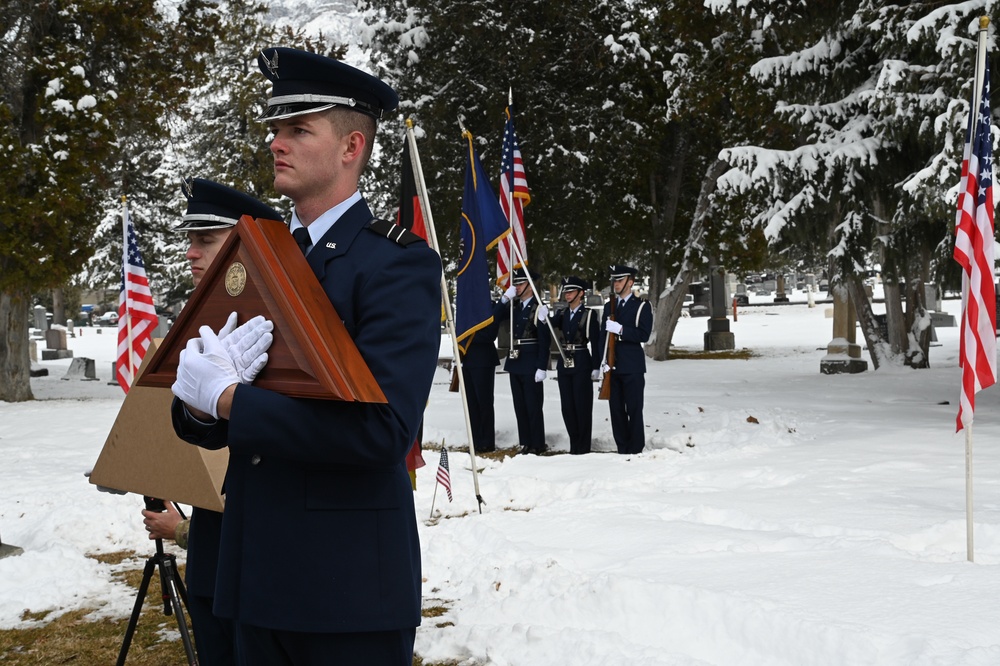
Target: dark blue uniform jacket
x,y
319,532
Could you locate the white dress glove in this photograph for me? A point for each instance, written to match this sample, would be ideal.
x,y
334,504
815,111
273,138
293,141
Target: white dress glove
x,y
543,312
596,375
247,345
540,375
204,373
605,368
611,326
510,293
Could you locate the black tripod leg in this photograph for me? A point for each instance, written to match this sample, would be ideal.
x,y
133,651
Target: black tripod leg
x,y
147,575
171,590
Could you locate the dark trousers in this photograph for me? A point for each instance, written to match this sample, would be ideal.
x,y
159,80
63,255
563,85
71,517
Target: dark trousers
x,y
270,647
576,395
528,399
479,384
214,637
625,403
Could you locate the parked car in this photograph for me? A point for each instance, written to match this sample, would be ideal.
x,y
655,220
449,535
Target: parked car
x,y
109,318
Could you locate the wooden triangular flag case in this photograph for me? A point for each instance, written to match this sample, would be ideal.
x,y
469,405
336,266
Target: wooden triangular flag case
x,y
261,271
143,455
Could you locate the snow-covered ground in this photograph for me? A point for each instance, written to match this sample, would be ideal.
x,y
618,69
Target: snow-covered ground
x,y
777,516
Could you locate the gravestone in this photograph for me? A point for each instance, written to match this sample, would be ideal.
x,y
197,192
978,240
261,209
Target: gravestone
x,y
83,369
162,327
718,337
41,321
779,296
843,353
55,343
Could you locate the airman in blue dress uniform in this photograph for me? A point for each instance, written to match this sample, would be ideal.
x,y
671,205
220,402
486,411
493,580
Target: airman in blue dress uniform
x,y
479,370
578,328
319,558
632,325
528,360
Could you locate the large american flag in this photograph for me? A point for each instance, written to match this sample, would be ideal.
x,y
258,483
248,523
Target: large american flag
x,y
512,180
136,312
444,475
974,251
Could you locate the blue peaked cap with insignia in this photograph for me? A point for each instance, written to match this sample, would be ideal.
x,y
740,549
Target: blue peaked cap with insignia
x,y
212,205
619,271
521,275
308,82
574,282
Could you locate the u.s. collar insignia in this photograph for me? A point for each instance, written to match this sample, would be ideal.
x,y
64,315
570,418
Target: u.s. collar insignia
x,y
272,64
331,246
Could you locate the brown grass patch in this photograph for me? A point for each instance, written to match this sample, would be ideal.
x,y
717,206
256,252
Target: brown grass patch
x,y
729,354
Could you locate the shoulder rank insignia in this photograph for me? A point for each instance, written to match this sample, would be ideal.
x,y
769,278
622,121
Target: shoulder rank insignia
x,y
401,235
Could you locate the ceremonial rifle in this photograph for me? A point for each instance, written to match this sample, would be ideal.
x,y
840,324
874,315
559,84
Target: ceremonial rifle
x,y
609,351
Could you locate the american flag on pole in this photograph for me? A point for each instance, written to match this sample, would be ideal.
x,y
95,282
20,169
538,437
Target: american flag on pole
x,y
974,242
136,312
514,196
443,475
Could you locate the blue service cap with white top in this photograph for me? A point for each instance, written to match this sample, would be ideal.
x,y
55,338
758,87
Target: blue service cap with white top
x,y
307,82
574,282
619,271
521,274
213,205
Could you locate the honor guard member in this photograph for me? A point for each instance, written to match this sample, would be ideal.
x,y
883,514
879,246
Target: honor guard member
x,y
578,328
213,210
631,325
319,559
528,359
479,370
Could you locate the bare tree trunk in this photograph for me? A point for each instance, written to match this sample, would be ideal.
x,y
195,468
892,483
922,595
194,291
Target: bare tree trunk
x,y
675,153
918,325
15,362
670,301
878,348
58,307
894,318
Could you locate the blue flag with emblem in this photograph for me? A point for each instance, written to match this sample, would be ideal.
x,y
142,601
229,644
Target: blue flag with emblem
x,y
473,306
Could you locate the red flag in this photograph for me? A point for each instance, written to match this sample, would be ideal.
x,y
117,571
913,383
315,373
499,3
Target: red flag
x,y
974,243
443,475
409,214
136,312
514,196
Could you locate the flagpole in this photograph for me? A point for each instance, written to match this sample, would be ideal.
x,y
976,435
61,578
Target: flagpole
x,y
128,319
977,87
510,226
534,290
425,209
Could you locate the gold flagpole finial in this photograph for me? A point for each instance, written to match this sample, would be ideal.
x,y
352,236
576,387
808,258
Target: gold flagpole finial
x,y
984,22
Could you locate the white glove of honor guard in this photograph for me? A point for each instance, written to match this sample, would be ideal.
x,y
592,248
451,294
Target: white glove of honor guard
x,y
540,375
204,372
611,326
596,375
510,293
247,345
605,368
543,312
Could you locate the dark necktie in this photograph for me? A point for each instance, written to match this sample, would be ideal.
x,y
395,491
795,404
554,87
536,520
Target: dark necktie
x,y
301,236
